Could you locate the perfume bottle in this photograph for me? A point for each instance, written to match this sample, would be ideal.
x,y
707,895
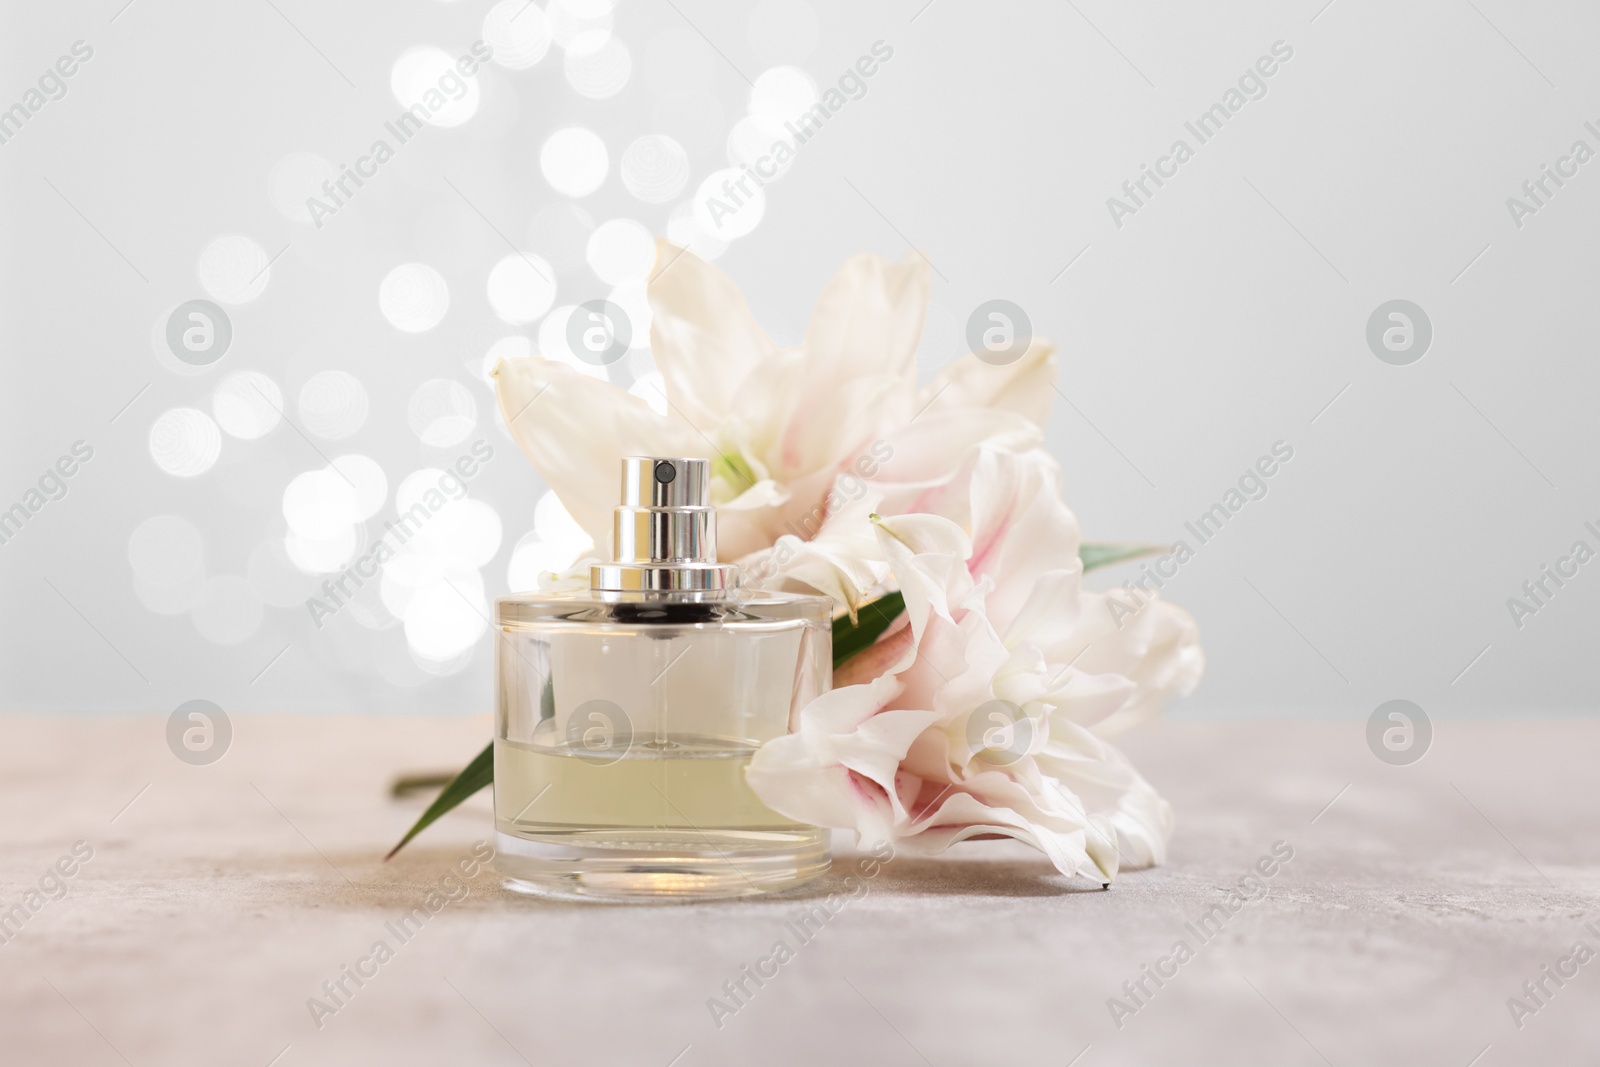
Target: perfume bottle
x,y
626,713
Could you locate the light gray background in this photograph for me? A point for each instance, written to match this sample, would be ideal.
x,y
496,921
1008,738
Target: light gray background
x,y
1223,317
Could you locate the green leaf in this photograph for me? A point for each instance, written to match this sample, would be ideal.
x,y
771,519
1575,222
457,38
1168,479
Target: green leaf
x,y
1096,554
849,638
478,773
872,618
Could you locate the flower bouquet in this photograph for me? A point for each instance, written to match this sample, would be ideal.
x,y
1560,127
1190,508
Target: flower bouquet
x,y
977,682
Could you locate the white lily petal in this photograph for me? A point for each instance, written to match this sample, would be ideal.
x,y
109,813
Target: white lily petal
x,y
1026,386
703,336
575,430
1156,647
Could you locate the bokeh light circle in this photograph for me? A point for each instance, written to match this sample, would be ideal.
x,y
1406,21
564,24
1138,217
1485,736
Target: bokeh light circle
x,y
425,80
784,93
574,161
621,250
247,404
521,288
185,442
233,269
442,413
333,404
598,65
366,479
413,297
725,209
684,230
654,168
518,32
320,504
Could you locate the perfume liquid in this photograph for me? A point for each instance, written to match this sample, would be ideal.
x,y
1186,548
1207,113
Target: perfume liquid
x,y
627,713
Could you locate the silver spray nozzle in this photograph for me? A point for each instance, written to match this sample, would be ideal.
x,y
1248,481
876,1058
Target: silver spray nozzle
x,y
665,531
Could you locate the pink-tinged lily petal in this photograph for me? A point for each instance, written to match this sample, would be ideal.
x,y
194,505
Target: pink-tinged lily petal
x,y
703,336
855,374
928,454
1087,699
1156,647
744,524
1107,782
575,430
1026,386
845,729
1021,529
842,560
869,319
1048,615
1074,846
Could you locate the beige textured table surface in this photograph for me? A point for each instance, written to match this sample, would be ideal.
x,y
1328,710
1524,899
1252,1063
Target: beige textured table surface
x,y
222,897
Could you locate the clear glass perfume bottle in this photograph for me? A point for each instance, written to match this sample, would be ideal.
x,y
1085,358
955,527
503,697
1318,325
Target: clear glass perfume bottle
x,y
627,713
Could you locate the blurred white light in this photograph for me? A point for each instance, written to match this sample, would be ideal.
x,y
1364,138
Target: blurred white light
x,y
415,487
652,389
405,572
227,611
755,141
442,413
320,504
413,297
333,404
322,555
296,178
574,161
784,93
462,535
560,232
184,442
684,230
275,579
724,209
553,344
442,668
247,404
443,619
166,550
521,288
519,33
598,65
428,77
369,483
533,557
621,250
574,21
654,168
234,269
